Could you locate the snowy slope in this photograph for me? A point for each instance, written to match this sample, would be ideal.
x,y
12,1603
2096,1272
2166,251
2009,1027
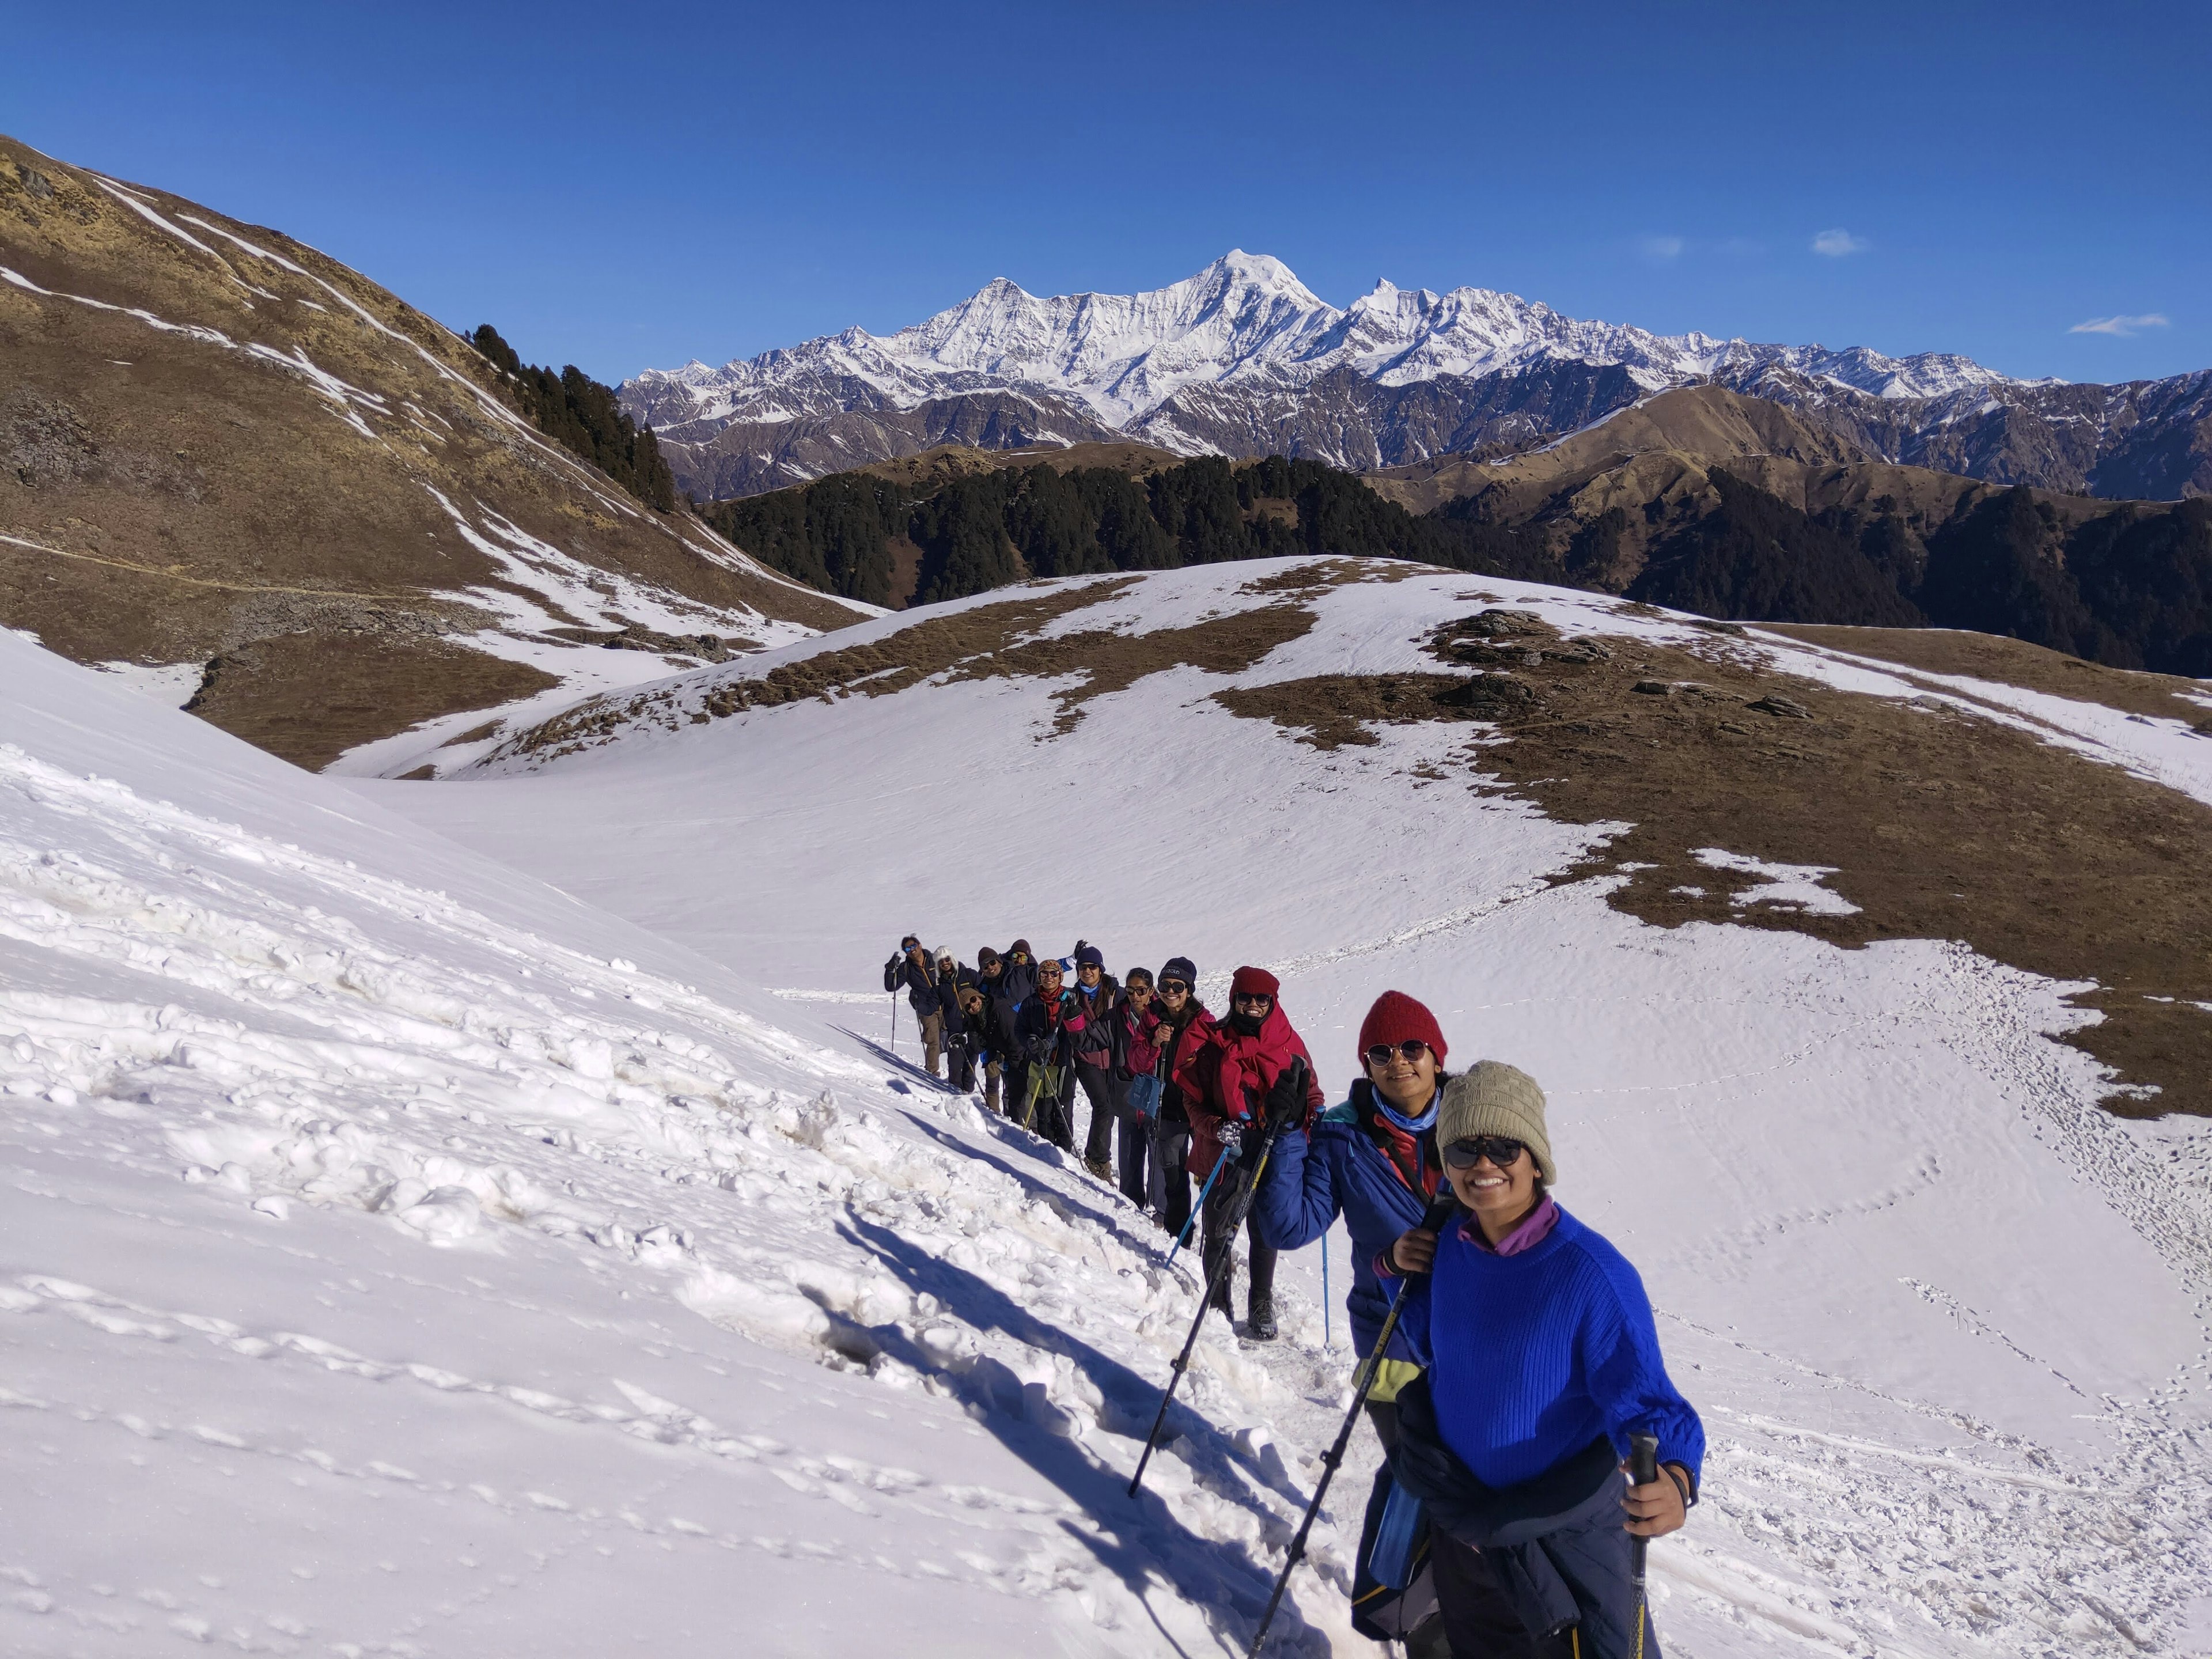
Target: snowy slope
x,y
1946,1318
399,1257
1245,320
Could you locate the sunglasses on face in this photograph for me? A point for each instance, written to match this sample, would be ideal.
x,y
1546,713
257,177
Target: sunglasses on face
x,y
1502,1152
1260,1004
1412,1049
1178,986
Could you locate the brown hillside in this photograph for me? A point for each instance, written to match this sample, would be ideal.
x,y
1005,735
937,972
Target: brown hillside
x,y
216,442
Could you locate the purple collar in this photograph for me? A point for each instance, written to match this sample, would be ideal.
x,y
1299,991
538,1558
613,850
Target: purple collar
x,y
1534,1229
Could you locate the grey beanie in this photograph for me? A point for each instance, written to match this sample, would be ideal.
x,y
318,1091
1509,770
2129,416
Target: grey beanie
x,y
1493,1098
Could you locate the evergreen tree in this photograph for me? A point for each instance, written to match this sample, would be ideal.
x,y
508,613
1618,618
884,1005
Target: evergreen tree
x,y
582,415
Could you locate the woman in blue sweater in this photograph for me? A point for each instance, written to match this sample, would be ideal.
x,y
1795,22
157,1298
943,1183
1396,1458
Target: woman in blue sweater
x,y
1373,1160
1542,1359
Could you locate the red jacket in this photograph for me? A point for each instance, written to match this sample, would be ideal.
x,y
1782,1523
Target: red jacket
x,y
1227,1076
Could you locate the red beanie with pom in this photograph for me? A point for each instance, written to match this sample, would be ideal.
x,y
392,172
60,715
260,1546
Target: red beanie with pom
x,y
1397,1016
1255,982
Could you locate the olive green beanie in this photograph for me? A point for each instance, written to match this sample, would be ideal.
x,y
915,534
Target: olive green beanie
x,y
1494,1098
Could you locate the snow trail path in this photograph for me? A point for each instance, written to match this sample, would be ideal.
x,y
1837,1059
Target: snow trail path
x,y
398,1256
1947,1319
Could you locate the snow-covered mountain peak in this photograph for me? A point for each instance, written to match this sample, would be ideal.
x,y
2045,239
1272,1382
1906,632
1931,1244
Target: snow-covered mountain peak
x,y
1225,361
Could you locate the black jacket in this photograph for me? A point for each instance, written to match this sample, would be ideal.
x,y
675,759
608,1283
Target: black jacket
x,y
1038,1037
1173,1033
1555,1544
920,981
1093,1045
948,998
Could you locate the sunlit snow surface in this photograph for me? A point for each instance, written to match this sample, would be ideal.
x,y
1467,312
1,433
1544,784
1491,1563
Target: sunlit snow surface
x,y
401,1256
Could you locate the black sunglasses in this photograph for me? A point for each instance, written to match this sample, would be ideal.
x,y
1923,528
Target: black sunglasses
x,y
1174,985
1412,1048
1260,1001
1501,1152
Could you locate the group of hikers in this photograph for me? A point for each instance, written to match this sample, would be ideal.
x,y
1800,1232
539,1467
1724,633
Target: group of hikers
x,y
1523,1357
1166,1080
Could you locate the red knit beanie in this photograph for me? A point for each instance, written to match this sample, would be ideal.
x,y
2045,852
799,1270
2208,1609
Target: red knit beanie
x,y
1397,1016
1255,982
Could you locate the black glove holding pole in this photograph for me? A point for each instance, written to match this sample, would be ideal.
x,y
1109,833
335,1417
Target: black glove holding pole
x,y
1287,1099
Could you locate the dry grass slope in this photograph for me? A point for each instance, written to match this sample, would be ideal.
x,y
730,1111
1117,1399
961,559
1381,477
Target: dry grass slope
x,y
213,438
1938,824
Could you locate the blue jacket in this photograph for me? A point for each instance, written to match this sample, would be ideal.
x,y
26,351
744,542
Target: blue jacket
x,y
1532,1357
1340,1169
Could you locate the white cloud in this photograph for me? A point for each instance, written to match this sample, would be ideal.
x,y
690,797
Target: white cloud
x,y
1837,243
1662,247
2122,327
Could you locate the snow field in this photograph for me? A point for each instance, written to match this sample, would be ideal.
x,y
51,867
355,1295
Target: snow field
x,y
391,1268
1946,1318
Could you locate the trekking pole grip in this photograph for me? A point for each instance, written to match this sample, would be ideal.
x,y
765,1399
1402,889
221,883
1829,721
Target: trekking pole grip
x,y
1642,1470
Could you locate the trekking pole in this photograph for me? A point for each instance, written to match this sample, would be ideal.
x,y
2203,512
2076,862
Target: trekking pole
x,y
1642,1470
1327,1326
1244,1204
1432,1221
1196,1210
895,1025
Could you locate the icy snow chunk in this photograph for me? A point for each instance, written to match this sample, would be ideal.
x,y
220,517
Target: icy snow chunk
x,y
1040,1410
444,1215
1785,886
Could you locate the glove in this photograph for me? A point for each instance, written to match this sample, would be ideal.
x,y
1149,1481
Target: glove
x,y
1231,1137
1287,1099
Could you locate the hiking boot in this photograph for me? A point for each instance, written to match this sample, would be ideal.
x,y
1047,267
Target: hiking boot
x,y
1259,1323
1099,1167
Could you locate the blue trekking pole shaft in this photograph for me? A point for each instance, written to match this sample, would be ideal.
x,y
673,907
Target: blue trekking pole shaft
x,y
1197,1209
1326,1326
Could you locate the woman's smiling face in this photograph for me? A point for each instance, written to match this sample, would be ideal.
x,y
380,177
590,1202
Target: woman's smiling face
x,y
1494,1193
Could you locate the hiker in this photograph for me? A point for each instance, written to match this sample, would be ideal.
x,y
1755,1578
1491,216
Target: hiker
x,y
1041,1039
1021,969
1541,1358
910,968
1185,1025
1091,1050
986,1047
1136,1080
1371,1159
959,1067
1226,1084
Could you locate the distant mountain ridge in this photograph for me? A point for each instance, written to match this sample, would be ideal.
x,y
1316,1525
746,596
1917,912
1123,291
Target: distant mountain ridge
x,y
1243,360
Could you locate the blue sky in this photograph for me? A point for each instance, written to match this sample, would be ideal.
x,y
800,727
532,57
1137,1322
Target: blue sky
x,y
626,187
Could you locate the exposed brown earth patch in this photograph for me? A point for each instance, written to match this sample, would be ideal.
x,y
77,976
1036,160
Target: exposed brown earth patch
x,y
372,686
991,642
2015,662
1315,577
1938,823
